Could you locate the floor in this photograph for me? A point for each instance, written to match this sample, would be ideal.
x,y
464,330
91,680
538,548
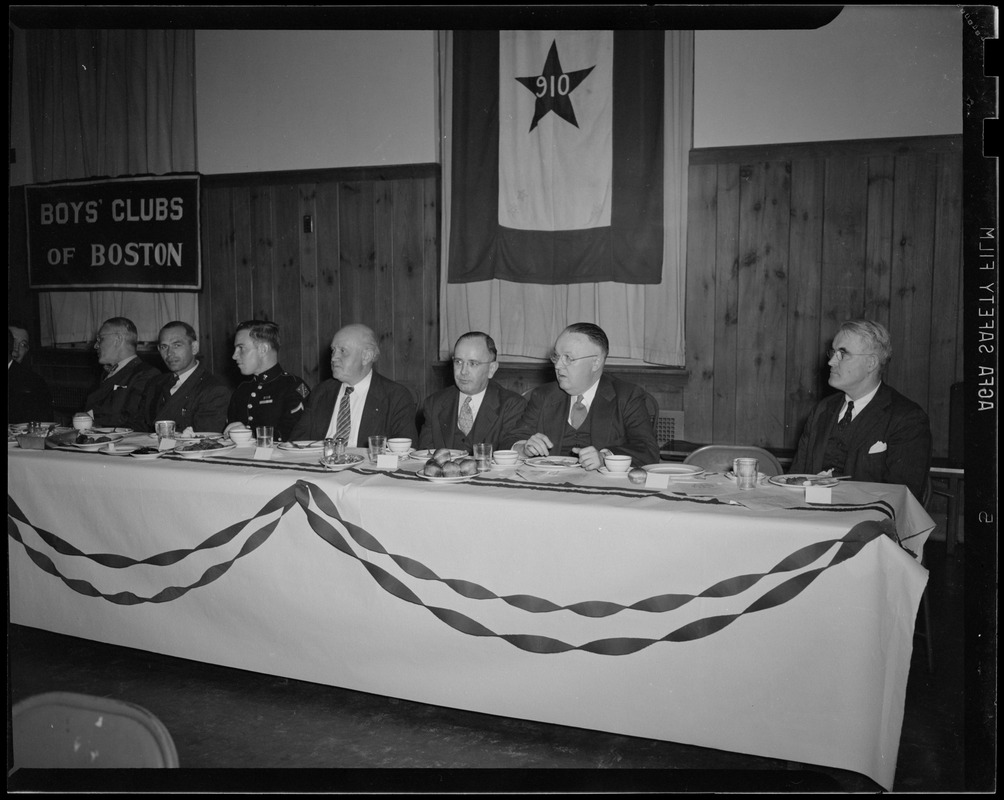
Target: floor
x,y
251,732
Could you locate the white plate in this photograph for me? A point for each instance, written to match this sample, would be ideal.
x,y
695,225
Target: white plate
x,y
92,446
553,462
675,470
445,479
192,437
353,461
194,454
127,450
305,446
148,456
425,455
608,474
106,431
760,477
798,481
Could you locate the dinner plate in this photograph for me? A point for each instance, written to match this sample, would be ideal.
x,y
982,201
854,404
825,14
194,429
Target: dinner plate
x,y
94,446
553,462
106,431
675,470
148,456
352,461
127,450
760,477
446,479
798,481
425,455
180,437
194,454
303,446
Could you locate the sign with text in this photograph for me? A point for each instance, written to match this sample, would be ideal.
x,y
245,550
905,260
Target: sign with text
x,y
128,233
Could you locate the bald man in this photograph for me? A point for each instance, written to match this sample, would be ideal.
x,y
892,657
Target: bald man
x,y
358,402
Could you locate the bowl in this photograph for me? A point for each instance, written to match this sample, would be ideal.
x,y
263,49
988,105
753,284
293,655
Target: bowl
x,y
399,446
241,436
83,421
506,458
617,463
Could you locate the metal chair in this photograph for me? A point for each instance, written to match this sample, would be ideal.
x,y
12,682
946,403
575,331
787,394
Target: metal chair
x,y
719,457
78,731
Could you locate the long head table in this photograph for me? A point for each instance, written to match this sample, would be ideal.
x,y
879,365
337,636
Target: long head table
x,y
748,622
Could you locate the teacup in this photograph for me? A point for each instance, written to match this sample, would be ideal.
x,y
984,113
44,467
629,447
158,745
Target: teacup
x,y
615,463
506,458
241,435
399,446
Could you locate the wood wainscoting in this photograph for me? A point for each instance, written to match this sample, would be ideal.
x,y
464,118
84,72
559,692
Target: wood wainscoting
x,y
787,241
313,251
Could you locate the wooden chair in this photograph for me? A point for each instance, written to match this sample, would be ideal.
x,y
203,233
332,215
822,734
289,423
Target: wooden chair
x,y
719,457
79,731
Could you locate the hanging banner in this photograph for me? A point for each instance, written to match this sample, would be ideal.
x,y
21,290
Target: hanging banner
x,y
128,233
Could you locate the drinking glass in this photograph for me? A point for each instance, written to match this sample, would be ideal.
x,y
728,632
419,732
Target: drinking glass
x,y
483,455
264,435
165,428
378,446
746,470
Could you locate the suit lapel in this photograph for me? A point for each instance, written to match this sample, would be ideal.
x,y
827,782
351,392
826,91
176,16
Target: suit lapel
x,y
601,414
371,409
555,415
487,414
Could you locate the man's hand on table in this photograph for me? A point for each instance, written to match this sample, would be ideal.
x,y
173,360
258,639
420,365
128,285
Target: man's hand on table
x,y
536,445
589,457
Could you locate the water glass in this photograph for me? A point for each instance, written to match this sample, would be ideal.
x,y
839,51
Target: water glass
x,y
747,472
483,455
378,446
165,428
264,435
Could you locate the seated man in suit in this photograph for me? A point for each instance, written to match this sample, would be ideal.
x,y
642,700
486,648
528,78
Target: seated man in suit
x,y
116,400
866,430
358,402
476,409
272,396
28,396
189,394
586,413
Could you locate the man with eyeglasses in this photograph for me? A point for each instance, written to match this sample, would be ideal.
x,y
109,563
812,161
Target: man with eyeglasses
x,y
867,429
477,408
586,413
357,401
188,393
117,399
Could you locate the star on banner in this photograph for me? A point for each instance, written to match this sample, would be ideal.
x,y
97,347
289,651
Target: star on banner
x,y
553,87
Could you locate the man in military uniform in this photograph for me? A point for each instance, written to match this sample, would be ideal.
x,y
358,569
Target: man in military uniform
x,y
272,396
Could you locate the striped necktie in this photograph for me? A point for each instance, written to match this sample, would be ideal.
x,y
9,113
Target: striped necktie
x,y
466,421
344,425
578,413
845,420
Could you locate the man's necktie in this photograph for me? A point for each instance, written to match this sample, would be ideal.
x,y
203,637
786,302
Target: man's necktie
x,y
174,384
466,421
845,420
344,425
578,412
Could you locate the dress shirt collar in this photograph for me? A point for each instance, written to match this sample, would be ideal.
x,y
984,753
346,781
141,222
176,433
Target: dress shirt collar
x,y
181,377
859,404
476,400
121,364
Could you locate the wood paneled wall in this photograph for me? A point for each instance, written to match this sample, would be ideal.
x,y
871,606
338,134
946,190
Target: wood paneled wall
x,y
786,242
371,257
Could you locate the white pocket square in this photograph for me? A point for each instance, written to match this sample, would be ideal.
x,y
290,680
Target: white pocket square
x,y
878,447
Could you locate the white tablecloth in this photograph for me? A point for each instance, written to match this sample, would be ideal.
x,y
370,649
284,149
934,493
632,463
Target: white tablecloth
x,y
578,600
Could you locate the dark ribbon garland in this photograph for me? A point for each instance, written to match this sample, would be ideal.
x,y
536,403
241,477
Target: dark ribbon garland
x,y
301,493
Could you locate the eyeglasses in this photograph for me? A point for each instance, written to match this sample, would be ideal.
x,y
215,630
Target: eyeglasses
x,y
459,363
841,354
566,359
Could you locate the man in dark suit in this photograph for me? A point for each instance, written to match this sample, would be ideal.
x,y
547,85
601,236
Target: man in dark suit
x,y
586,413
28,396
116,400
476,409
358,402
189,394
867,430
